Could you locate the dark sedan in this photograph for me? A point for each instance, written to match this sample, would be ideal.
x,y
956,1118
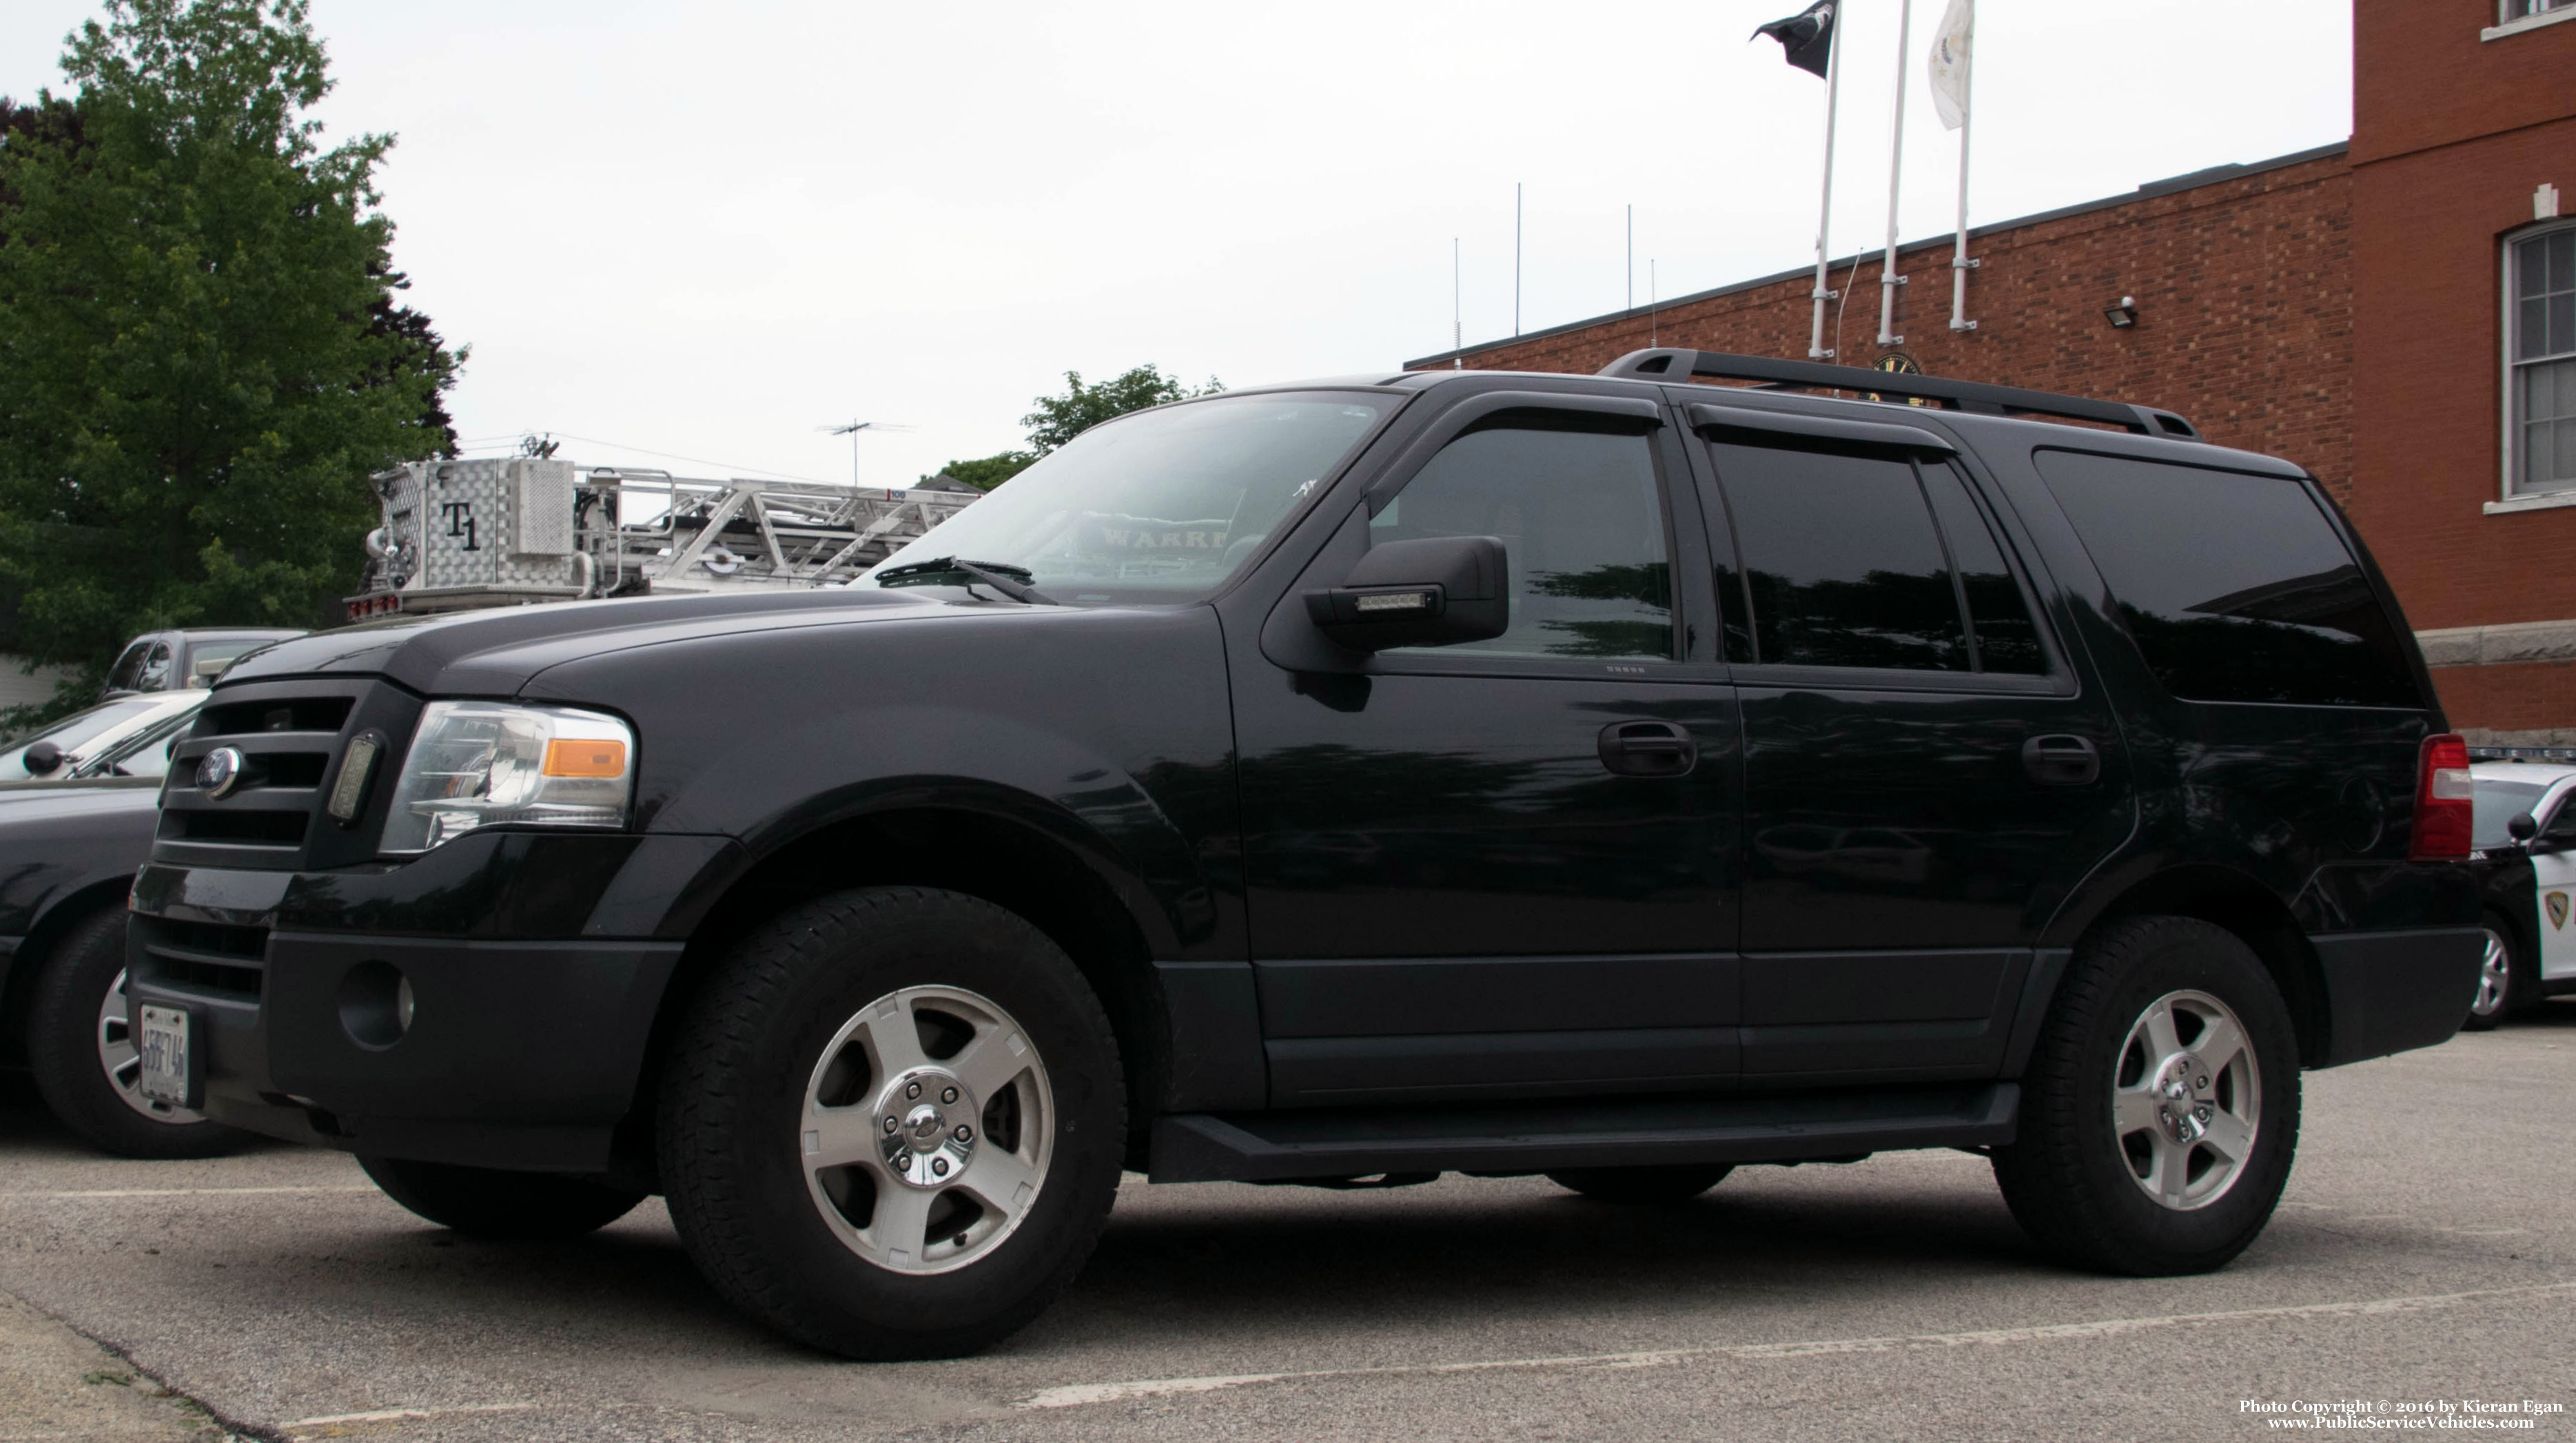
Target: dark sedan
x,y
68,853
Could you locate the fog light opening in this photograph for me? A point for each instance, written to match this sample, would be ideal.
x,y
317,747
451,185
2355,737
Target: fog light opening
x,y
376,1005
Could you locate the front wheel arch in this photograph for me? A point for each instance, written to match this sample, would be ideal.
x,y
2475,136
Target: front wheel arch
x,y
998,859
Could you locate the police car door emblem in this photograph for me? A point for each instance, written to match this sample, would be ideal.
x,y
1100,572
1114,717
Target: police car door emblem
x,y
222,767
2556,903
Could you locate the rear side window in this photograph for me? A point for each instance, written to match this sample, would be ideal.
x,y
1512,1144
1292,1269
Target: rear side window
x,y
1846,566
2235,587
2006,638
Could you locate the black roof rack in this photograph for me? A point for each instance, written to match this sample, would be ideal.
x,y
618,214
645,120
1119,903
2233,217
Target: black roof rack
x,y
1671,363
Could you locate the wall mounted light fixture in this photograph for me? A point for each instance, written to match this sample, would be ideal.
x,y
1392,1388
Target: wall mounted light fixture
x,y
2122,313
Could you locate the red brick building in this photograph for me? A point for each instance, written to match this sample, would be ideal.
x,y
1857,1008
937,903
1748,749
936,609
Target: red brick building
x,y
2463,285
2350,308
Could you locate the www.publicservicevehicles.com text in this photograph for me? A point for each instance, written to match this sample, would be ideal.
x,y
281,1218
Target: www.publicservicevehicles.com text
x,y
2376,1413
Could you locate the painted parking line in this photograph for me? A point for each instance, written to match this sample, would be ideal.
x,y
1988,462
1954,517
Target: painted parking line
x,y
1077,1395
336,1422
186,1191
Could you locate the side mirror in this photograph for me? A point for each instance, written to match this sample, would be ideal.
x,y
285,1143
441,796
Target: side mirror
x,y
2522,828
41,758
1437,591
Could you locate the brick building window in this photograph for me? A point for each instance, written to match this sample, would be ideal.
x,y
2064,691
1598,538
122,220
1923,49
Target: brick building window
x,y
2524,9
2540,360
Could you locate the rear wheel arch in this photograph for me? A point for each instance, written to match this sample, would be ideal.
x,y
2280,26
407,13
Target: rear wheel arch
x,y
2244,907
1006,860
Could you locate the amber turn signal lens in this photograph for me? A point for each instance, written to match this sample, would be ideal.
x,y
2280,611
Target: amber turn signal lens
x,y
571,757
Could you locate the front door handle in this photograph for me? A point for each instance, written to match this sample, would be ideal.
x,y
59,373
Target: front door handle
x,y
2061,760
1648,749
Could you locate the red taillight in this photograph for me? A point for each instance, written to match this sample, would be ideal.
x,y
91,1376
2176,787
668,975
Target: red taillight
x,y
2443,804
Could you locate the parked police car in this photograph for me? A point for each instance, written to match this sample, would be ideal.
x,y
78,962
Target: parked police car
x,y
1609,777
2525,840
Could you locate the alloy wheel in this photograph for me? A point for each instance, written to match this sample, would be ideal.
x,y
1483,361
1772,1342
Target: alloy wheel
x,y
2186,1100
123,1064
927,1129
2495,977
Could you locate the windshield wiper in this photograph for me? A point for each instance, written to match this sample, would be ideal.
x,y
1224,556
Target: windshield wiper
x,y
1002,576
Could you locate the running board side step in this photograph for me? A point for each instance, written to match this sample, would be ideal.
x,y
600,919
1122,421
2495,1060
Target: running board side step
x,y
1285,1146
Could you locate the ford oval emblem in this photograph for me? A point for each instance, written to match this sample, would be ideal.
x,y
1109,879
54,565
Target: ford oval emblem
x,y
220,771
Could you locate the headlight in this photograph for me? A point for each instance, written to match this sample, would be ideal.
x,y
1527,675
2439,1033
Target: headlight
x,y
478,763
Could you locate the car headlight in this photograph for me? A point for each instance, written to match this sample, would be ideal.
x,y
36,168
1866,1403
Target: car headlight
x,y
478,764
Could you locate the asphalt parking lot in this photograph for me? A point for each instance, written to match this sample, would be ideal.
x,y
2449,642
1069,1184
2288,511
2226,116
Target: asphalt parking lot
x,y
2426,1253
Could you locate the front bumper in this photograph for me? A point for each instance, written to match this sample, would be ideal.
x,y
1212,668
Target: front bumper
x,y
519,1052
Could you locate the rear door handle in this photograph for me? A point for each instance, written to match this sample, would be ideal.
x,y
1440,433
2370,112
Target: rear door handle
x,y
1648,749
2061,760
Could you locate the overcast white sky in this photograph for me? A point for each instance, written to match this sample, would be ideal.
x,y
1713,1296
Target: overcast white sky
x,y
708,230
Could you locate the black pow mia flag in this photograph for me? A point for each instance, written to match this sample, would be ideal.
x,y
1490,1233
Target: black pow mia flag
x,y
1806,38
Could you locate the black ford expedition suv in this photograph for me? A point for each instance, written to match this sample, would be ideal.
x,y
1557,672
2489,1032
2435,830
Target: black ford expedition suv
x,y
1618,778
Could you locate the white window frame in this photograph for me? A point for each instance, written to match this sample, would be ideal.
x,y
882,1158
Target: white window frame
x,y
2508,23
2515,498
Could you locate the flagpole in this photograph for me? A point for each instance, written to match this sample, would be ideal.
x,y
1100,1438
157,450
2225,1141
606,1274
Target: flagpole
x,y
1888,279
1960,265
1825,209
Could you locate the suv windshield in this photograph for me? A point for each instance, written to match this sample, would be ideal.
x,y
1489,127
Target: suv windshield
x,y
1161,506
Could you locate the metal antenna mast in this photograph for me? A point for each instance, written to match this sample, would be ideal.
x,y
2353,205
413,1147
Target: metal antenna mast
x,y
852,429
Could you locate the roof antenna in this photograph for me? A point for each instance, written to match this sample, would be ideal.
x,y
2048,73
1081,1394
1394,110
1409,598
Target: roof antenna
x,y
852,429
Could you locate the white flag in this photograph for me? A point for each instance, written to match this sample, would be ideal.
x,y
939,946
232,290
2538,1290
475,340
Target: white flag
x,y
1950,45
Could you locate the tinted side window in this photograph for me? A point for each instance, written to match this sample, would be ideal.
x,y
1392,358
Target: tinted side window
x,y
1842,565
2562,827
1998,614
128,667
2235,587
155,675
1581,517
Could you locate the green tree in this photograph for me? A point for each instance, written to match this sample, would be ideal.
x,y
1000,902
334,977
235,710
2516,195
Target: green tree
x,y
989,472
1059,419
202,356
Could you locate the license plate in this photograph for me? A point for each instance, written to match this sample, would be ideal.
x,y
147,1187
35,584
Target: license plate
x,y
162,1039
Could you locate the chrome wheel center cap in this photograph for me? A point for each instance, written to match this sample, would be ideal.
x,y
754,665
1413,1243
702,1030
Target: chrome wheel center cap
x,y
2181,1091
928,1126
923,1127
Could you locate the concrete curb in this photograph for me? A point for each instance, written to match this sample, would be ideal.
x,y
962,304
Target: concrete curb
x,y
57,1384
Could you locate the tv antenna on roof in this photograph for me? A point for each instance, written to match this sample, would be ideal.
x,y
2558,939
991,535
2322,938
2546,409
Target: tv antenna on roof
x,y
852,429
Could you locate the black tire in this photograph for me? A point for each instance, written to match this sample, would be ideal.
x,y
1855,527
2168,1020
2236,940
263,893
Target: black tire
x,y
2505,989
2072,1181
84,967
736,1085
1642,1186
486,1202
